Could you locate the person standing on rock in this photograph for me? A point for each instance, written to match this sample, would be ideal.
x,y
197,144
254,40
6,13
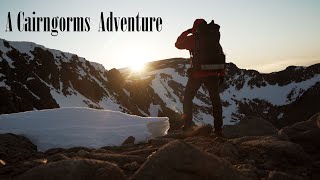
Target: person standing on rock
x,y
207,67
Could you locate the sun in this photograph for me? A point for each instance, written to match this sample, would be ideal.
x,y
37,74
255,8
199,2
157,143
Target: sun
x,y
136,57
137,67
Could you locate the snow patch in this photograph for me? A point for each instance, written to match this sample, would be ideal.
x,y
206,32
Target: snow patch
x,y
275,94
9,61
109,103
64,56
98,67
126,92
165,92
154,110
70,127
81,72
24,47
142,112
74,100
3,48
280,116
3,84
30,78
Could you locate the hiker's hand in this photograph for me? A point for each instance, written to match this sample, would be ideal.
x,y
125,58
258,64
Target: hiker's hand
x,y
221,80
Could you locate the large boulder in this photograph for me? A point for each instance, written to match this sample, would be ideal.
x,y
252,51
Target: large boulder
x,y
57,157
179,160
305,133
276,175
15,148
75,169
250,126
205,130
270,152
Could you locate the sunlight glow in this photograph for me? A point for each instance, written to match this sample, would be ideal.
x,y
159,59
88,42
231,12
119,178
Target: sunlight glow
x,y
136,55
137,67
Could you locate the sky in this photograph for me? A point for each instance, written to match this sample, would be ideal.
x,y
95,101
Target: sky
x,y
263,35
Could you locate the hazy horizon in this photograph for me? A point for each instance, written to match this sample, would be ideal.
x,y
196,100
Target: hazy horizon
x,y
265,36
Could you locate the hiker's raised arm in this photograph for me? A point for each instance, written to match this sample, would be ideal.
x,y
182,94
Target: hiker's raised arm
x,y
184,41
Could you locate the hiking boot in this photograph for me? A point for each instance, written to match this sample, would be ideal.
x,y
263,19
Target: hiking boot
x,y
218,132
187,123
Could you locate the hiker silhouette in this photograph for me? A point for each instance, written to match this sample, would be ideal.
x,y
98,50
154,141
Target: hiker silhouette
x,y
207,67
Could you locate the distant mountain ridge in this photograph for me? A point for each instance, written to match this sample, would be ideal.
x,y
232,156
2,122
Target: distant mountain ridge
x,y
34,77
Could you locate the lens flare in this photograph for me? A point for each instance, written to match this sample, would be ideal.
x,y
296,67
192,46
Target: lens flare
x,y
137,67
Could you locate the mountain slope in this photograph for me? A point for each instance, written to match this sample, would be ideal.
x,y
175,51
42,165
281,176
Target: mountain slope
x,y
275,96
34,77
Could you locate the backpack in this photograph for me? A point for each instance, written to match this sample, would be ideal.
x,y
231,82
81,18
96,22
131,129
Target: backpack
x,y
208,55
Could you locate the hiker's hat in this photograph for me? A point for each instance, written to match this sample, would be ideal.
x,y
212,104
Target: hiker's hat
x,y
196,23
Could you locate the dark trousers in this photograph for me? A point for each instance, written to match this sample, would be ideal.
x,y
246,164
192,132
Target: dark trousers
x,y
193,85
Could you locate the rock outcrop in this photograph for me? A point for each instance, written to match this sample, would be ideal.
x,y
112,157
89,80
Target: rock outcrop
x,y
250,126
179,160
305,133
75,169
15,148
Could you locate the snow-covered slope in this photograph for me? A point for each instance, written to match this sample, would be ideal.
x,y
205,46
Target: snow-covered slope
x,y
35,77
245,92
70,127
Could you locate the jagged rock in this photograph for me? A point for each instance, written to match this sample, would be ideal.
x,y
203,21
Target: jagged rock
x,y
11,170
271,151
82,153
115,76
247,170
54,151
283,136
305,133
2,163
57,157
119,159
27,165
249,126
15,148
131,166
102,151
75,169
201,142
177,134
160,141
205,130
179,160
35,162
129,141
141,152
77,149
11,103
277,175
229,150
